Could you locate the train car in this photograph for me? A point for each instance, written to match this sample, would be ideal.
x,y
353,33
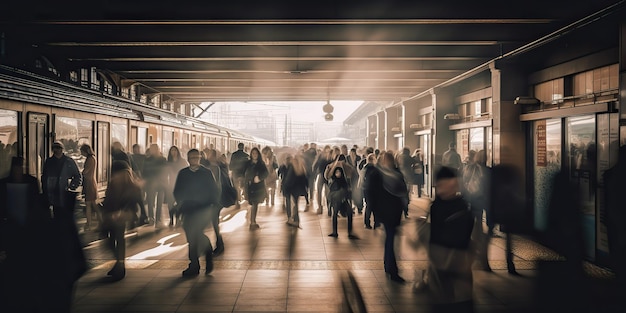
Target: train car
x,y
36,111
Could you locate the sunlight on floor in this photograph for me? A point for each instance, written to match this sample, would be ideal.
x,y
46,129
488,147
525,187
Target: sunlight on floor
x,y
162,249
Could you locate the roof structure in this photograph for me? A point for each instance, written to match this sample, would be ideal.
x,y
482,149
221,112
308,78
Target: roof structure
x,y
206,51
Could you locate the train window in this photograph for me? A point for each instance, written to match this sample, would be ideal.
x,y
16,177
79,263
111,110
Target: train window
x,y
103,152
73,132
168,137
119,133
8,140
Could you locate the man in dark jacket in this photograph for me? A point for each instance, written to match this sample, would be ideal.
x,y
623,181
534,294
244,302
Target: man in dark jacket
x,y
59,179
237,166
197,193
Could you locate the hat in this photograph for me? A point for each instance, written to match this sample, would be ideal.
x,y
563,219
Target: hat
x,y
58,144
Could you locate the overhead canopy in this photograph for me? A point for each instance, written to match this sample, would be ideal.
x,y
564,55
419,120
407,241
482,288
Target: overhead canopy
x,y
207,51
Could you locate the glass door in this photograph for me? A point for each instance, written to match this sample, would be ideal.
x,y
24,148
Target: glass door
x,y
582,163
37,144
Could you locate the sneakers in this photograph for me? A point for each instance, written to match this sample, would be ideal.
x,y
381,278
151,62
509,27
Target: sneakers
x,y
254,226
333,235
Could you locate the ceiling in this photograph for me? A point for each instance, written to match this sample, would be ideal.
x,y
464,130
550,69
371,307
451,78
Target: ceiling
x,y
193,52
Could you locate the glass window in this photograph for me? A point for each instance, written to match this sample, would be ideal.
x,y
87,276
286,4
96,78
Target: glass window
x,y
8,140
477,139
73,132
547,162
462,144
167,141
119,134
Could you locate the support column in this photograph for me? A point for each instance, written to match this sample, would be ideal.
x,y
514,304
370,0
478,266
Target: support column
x,y
380,132
509,140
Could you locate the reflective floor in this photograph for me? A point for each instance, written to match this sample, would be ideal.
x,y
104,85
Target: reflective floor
x,y
280,268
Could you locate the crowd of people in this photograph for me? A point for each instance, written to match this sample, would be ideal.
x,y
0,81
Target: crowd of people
x,y
342,181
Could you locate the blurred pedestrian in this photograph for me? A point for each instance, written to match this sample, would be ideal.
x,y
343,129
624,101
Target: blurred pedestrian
x,y
155,179
508,207
449,252
90,188
615,182
451,158
220,174
365,175
270,182
405,165
237,166
296,185
339,198
321,187
419,170
476,179
122,198
196,192
254,177
175,163
59,180
386,193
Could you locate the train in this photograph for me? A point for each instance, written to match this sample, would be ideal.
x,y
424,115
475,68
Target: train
x,y
37,110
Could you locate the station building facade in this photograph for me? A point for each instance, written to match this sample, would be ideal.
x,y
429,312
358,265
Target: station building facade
x,y
555,104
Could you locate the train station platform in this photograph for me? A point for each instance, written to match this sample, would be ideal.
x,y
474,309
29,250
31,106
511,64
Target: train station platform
x,y
279,268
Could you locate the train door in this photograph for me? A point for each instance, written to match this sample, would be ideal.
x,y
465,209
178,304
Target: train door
x,y
37,143
103,144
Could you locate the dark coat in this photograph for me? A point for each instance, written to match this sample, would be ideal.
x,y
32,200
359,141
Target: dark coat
x,y
386,192
196,190
293,184
255,192
451,223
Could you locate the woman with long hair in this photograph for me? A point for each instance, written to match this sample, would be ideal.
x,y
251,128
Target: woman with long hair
x,y
254,178
90,188
122,197
175,163
338,197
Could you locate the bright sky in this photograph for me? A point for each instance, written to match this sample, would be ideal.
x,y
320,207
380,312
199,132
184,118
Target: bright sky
x,y
302,111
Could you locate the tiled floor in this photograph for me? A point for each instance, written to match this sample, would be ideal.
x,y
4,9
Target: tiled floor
x,y
279,268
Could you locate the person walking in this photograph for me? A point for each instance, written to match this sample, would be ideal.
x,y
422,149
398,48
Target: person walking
x,y
220,174
237,166
339,199
449,250
270,182
365,174
296,185
155,177
197,193
254,179
386,193
451,158
59,179
419,170
175,163
90,188
122,198
405,165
